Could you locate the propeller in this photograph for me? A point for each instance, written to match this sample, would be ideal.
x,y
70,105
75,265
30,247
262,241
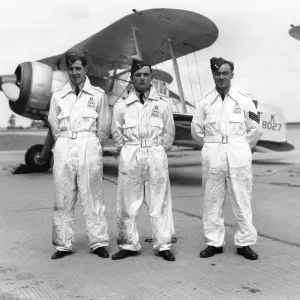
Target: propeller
x,y
8,85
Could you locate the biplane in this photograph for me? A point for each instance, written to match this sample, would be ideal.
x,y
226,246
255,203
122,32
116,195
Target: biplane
x,y
154,36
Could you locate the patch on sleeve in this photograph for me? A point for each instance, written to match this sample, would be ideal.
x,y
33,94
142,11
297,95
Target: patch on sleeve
x,y
254,116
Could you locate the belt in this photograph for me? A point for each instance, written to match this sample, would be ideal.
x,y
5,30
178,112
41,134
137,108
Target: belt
x,y
76,134
223,139
144,143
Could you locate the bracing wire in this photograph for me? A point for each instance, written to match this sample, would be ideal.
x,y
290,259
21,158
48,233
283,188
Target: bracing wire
x,y
163,58
190,79
198,74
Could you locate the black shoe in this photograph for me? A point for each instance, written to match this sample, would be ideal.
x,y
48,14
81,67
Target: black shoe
x,y
60,254
166,255
101,252
123,254
211,251
247,252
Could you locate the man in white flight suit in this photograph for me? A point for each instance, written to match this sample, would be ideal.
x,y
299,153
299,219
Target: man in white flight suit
x,y
226,125
143,130
80,122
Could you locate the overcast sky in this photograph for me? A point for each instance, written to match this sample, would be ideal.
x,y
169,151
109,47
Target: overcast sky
x,y
253,34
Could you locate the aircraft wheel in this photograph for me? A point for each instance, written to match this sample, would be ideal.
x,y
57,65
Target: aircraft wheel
x,y
31,159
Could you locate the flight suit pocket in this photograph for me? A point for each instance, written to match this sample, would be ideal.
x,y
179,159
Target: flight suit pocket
x,y
63,114
210,125
210,120
89,119
129,124
156,122
237,124
63,120
237,118
89,113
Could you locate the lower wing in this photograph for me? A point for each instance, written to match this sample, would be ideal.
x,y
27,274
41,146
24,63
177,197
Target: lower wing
x,y
272,121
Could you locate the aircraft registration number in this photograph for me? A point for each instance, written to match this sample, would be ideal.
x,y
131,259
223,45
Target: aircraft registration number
x,y
271,125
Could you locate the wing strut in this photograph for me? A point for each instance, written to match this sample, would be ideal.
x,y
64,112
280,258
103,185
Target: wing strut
x,y
138,55
112,82
177,75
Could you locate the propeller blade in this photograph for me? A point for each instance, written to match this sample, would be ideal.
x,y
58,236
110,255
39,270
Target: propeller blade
x,y
8,85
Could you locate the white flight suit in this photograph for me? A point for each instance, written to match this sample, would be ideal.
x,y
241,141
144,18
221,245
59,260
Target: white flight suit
x,y
143,134
80,127
227,134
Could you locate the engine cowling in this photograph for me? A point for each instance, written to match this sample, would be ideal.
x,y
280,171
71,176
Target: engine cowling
x,y
36,82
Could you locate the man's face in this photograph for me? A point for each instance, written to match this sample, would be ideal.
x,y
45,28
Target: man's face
x,y
141,79
77,72
223,77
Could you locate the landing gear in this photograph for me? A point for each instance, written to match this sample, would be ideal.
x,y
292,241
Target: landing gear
x,y
38,158
34,163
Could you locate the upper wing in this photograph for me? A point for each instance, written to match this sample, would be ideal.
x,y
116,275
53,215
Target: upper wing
x,y
189,32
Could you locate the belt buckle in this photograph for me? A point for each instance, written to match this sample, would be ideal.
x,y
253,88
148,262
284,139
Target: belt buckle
x,y
224,139
143,144
74,135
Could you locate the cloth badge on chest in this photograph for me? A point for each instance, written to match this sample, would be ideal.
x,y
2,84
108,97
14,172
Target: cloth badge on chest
x,y
155,111
237,109
91,102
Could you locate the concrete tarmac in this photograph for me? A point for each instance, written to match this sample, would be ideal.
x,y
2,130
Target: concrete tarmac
x,y
27,271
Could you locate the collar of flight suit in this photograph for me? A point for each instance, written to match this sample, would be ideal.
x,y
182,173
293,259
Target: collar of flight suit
x,y
132,97
138,94
87,87
232,94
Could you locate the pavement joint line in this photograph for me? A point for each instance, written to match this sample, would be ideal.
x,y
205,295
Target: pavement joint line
x,y
29,209
274,239
187,196
272,184
109,180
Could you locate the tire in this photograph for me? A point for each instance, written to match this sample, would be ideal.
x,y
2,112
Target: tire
x,y
31,162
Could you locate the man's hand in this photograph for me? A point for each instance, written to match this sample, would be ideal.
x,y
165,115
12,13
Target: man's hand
x,y
119,149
